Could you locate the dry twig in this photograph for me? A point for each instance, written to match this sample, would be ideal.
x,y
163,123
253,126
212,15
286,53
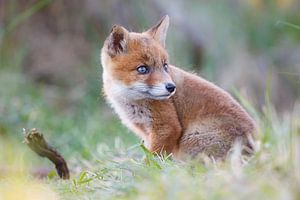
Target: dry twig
x,y
38,144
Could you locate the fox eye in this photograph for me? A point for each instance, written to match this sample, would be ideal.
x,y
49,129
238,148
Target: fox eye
x,y
166,67
143,69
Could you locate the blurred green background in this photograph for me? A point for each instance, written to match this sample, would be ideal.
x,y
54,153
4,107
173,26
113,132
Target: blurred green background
x,y
50,71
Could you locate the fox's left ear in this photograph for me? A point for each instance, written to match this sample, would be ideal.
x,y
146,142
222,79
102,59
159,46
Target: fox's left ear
x,y
159,31
117,40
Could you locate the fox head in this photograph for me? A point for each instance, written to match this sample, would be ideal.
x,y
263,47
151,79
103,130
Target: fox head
x,y
136,65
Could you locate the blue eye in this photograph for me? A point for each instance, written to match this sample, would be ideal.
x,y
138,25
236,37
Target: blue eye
x,y
166,67
143,69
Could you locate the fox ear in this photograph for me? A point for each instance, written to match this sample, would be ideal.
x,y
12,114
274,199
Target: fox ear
x,y
159,31
117,40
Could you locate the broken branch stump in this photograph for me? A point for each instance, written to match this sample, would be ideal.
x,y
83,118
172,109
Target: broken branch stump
x,y
37,143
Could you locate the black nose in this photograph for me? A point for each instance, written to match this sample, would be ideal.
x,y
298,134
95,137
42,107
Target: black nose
x,y
170,87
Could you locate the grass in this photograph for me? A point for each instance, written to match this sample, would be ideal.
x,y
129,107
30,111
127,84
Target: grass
x,y
120,173
108,162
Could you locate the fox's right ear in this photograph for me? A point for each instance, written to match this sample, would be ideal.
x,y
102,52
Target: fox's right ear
x,y
117,40
159,31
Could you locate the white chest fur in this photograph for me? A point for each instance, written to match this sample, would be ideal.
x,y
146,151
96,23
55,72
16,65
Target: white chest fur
x,y
132,113
135,112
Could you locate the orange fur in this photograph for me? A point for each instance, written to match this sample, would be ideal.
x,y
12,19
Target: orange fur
x,y
198,118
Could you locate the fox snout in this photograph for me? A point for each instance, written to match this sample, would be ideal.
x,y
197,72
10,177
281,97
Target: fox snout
x,y
161,91
170,87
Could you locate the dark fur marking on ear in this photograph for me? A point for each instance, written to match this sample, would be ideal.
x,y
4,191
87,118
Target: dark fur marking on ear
x,y
117,41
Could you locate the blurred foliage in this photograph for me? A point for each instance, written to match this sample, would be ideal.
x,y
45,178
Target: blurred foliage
x,y
233,43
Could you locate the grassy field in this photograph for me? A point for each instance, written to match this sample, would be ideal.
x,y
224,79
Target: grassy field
x,y
108,162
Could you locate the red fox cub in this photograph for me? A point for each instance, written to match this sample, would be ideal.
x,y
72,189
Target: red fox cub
x,y
173,111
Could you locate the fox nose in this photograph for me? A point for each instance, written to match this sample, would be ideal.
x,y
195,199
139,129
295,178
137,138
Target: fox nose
x,y
170,87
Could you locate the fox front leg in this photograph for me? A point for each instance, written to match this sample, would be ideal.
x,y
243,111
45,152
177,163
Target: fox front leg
x,y
163,143
166,129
